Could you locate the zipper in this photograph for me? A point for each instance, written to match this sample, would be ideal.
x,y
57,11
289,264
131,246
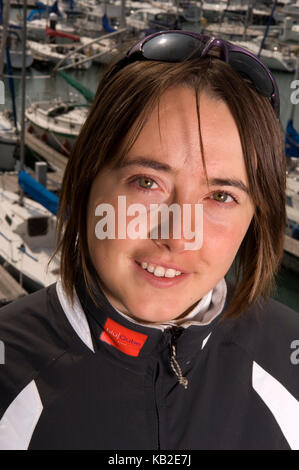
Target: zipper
x,y
171,334
156,406
174,333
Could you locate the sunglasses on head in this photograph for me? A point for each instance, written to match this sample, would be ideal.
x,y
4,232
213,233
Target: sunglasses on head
x,y
178,45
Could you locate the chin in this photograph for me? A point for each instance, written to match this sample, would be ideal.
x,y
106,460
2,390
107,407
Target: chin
x,y
150,319
153,316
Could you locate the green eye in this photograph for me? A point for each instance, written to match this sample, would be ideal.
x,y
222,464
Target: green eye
x,y
221,196
145,183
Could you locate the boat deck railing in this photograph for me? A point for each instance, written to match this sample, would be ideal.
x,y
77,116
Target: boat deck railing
x,y
58,67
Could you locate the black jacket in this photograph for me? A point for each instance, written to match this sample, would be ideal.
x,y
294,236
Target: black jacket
x,y
87,378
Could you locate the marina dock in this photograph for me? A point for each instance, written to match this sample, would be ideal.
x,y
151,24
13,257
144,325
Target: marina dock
x,y
54,158
17,4
9,181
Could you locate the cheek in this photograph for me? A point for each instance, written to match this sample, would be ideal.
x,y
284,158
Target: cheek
x,y
93,219
222,240
110,256
103,258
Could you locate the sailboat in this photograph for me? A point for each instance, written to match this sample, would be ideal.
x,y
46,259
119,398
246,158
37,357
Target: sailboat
x,y
54,53
57,123
28,223
9,137
27,234
8,140
15,50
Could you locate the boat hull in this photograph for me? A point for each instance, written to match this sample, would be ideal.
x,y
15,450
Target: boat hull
x,y
16,58
61,142
29,284
7,155
56,123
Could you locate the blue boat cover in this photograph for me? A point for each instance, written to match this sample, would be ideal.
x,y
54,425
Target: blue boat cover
x,y
51,9
42,9
291,141
106,25
34,14
38,192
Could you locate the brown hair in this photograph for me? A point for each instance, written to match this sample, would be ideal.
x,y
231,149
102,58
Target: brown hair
x,y
120,108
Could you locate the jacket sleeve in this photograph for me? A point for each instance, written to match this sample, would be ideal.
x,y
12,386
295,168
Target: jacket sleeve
x,y
29,342
269,332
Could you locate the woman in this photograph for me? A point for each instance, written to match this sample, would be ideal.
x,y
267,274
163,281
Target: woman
x,y
143,343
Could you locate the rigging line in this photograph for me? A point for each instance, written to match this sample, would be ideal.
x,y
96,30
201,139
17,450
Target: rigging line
x,y
28,77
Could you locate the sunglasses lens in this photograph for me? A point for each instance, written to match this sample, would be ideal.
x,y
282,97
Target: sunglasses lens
x,y
172,47
180,46
249,68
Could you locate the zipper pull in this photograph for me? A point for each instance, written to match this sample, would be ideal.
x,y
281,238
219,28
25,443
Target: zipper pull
x,y
175,332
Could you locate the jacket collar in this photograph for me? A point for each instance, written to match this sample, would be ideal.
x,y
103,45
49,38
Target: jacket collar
x,y
125,337
208,308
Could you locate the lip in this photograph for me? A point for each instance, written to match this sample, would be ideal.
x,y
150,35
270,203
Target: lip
x,y
164,265
160,281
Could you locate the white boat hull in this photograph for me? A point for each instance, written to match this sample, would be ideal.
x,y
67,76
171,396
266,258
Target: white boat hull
x,y
21,253
54,54
57,124
16,59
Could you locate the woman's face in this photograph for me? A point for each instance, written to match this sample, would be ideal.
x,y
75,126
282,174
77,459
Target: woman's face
x,y
168,169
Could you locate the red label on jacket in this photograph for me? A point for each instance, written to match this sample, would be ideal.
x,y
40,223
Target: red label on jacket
x,y
127,341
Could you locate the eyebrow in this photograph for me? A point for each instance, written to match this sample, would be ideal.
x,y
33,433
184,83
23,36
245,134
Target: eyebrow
x,y
154,164
159,166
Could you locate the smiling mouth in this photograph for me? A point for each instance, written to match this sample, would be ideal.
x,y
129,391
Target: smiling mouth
x,y
159,271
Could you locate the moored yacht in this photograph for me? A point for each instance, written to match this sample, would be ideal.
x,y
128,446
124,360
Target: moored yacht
x,y
27,240
57,123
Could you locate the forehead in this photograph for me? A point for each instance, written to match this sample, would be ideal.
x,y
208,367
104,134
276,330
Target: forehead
x,y
171,134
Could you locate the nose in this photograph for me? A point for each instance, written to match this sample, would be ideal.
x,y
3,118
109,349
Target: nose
x,y
178,227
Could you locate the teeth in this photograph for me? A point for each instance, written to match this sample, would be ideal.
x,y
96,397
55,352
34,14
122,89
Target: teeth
x,y
170,272
151,268
159,271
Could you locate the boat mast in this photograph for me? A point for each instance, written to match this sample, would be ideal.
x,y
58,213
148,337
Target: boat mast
x,y
5,20
23,93
123,22
248,19
5,52
267,27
